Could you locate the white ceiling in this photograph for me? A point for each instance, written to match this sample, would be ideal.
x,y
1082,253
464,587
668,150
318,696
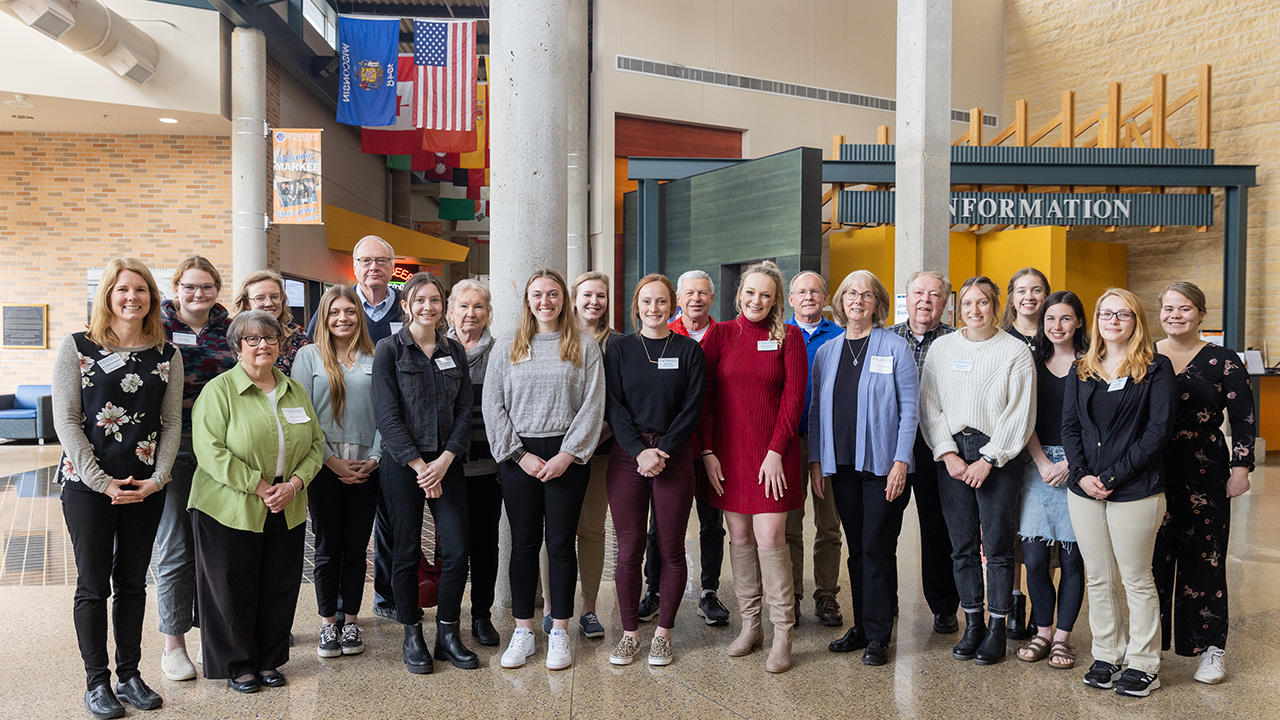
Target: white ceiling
x,y
54,114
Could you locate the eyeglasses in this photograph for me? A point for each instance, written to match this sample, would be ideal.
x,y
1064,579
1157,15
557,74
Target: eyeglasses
x,y
365,262
259,299
256,340
806,293
867,296
208,289
1121,315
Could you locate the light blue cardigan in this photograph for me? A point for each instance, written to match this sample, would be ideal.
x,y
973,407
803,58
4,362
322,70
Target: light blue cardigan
x,y
887,406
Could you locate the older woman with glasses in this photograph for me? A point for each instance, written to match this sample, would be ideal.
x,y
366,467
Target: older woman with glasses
x,y
259,444
264,290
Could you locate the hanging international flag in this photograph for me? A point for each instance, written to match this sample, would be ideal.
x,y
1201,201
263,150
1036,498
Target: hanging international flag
x,y
478,158
446,51
402,137
367,51
457,209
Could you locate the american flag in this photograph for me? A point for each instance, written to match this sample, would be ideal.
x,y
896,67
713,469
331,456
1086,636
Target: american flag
x,y
445,53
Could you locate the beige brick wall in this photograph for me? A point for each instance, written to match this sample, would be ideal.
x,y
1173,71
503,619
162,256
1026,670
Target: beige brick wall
x,y
69,202
1083,45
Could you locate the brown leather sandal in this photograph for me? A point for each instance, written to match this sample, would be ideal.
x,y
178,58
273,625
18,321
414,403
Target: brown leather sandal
x,y
1038,646
1061,656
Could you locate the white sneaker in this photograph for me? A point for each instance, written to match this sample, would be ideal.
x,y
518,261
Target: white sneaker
x,y
176,665
1212,666
519,650
558,656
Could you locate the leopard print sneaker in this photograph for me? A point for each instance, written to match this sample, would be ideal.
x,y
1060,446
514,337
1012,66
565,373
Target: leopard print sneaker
x,y
625,651
660,651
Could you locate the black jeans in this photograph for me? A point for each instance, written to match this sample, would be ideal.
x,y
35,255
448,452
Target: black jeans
x,y
871,526
1070,593
484,496
986,515
937,575
405,500
383,593
341,518
529,502
112,546
711,534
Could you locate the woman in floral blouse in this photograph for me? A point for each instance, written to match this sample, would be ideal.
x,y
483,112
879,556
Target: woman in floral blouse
x,y
117,402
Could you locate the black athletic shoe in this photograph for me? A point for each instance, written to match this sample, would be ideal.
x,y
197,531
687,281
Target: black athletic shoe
x,y
1136,683
712,610
649,606
1102,675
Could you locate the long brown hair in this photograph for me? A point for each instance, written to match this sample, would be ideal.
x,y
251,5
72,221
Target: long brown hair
x,y
777,324
1010,308
1139,353
522,343
329,348
413,286
100,331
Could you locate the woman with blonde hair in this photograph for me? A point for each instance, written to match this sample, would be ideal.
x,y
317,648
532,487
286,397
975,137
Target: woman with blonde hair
x,y
756,374
1117,418
117,407
336,373
977,410
264,290
543,409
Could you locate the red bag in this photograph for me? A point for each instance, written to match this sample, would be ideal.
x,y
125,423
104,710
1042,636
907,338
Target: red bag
x,y
429,579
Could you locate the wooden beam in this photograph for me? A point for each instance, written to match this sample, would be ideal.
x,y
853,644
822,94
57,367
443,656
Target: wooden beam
x,y
836,142
1176,105
964,138
1048,127
1136,110
882,135
1135,135
1205,112
1004,135
1089,122
1020,120
1159,93
1109,130
1068,118
975,126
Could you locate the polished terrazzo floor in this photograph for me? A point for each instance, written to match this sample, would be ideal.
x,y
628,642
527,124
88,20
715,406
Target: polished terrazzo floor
x,y
42,674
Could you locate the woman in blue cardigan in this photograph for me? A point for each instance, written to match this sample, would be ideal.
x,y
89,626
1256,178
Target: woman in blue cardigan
x,y
862,432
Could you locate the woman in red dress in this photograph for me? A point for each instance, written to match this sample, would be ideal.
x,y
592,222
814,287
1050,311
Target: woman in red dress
x,y
756,374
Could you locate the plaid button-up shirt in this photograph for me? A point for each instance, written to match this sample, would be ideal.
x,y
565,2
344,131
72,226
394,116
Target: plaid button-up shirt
x,y
919,348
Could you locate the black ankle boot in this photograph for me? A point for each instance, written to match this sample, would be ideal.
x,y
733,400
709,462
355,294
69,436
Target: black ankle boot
x,y
1016,623
449,647
993,647
975,629
416,656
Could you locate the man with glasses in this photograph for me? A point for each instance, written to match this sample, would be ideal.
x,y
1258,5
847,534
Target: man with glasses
x,y
373,260
927,294
808,296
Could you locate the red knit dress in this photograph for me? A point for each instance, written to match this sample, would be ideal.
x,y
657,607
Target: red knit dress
x,y
753,403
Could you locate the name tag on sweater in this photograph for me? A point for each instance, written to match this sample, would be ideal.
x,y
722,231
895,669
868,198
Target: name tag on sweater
x,y
766,345
446,363
961,366
668,363
295,415
1118,384
395,327
111,363
367,368
188,339
882,364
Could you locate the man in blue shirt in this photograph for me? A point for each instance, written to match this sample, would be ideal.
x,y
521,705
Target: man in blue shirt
x,y
808,296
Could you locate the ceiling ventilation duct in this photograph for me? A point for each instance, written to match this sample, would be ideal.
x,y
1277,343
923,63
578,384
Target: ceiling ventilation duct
x,y
93,30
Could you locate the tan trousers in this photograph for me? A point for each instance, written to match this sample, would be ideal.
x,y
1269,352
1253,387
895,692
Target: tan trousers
x,y
1117,540
826,536
595,506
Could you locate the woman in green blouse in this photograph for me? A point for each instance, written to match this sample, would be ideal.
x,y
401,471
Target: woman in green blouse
x,y
258,444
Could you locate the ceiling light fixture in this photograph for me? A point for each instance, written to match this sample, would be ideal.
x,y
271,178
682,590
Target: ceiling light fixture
x,y
19,101
169,121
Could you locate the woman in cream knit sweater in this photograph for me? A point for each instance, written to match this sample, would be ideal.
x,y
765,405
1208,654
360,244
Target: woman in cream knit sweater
x,y
977,410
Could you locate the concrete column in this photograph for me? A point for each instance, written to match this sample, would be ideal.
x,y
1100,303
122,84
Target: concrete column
x,y
528,170
249,153
576,125
923,166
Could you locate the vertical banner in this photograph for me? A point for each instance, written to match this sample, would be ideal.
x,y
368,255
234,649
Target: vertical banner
x,y
295,179
367,52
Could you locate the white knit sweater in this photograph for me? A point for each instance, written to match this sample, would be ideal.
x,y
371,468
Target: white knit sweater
x,y
989,386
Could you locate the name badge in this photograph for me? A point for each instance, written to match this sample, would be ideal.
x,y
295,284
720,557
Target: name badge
x,y
668,363
395,327
295,415
446,363
882,364
766,345
367,368
1118,384
188,339
111,363
961,366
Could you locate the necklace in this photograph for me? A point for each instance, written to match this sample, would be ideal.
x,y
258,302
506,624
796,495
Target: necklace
x,y
645,345
858,354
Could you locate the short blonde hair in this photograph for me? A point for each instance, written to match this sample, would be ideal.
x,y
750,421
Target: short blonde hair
x,y
469,285
862,277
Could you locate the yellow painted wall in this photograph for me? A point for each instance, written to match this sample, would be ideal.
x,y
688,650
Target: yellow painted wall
x,y
1092,267
862,249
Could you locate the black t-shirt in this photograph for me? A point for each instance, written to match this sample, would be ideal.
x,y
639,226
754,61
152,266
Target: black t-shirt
x,y
654,386
1103,404
844,405
1028,341
1049,392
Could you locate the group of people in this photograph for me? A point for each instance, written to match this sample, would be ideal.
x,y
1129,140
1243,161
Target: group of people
x,y
210,436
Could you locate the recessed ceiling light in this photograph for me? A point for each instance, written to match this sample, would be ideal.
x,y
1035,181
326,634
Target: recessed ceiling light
x,y
19,101
169,121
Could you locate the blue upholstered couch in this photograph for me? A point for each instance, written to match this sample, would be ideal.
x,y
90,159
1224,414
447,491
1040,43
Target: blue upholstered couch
x,y
27,413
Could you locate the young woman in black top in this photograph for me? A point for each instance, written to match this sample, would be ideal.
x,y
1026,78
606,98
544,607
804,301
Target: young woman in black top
x,y
1117,418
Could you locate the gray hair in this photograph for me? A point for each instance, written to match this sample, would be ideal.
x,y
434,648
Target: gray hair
x,y
807,272
694,275
244,323
469,285
372,238
946,284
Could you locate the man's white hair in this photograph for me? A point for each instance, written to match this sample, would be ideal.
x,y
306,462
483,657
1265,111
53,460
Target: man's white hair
x,y
694,275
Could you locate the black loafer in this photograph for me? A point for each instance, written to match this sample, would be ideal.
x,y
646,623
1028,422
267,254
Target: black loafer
x,y
945,624
102,703
877,653
272,679
852,640
484,632
137,694
245,686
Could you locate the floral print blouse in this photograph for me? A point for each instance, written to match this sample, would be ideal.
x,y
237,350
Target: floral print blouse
x,y
1215,380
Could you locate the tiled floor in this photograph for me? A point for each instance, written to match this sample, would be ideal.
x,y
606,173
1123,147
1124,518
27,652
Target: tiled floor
x,y
42,673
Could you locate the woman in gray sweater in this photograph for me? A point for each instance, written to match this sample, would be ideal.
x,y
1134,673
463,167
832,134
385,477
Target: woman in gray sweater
x,y
543,408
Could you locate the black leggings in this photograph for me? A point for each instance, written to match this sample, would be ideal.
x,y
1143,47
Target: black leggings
x,y
485,497
529,501
1070,593
405,503
341,518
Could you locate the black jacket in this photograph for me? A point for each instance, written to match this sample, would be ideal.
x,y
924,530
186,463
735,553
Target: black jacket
x,y
1128,454
421,408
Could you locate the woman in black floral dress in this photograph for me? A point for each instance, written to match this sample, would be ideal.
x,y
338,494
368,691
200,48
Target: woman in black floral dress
x,y
1190,563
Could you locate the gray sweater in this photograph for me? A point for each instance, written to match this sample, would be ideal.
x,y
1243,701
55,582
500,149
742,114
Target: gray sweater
x,y
544,396
68,411
358,425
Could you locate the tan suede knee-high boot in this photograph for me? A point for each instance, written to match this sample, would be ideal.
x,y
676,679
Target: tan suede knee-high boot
x,y
746,585
775,571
